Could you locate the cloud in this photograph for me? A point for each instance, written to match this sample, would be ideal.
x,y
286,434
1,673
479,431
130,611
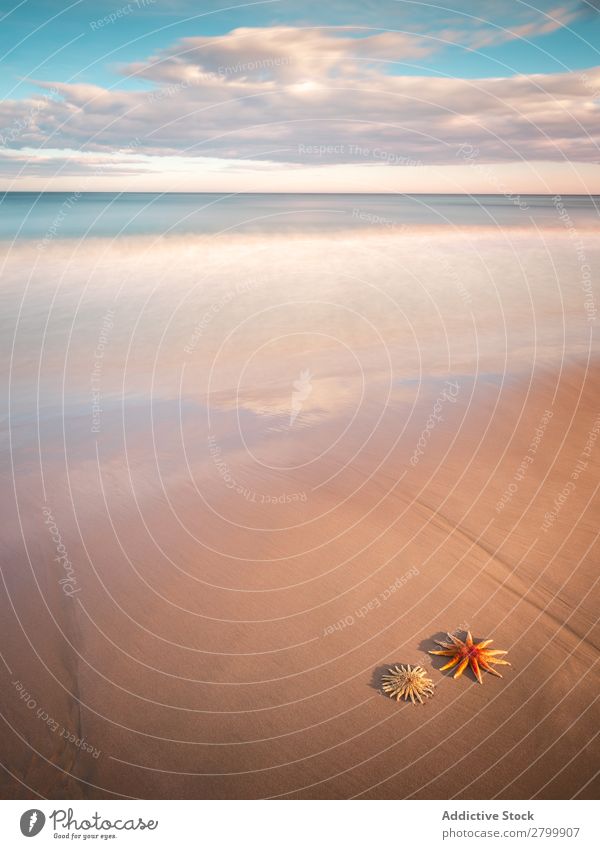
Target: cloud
x,y
290,53
311,96
482,32
280,54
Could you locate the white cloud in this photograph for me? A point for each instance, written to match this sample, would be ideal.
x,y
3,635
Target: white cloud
x,y
310,97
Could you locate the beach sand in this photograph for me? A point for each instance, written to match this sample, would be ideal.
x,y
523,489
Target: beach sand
x,y
200,597
246,663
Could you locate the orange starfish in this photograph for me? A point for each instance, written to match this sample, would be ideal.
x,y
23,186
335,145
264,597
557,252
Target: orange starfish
x,y
466,653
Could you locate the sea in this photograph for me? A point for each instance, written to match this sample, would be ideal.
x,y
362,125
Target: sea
x,y
33,215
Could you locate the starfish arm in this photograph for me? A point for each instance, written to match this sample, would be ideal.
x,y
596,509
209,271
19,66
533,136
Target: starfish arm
x,y
450,664
487,668
500,662
476,670
469,640
461,668
445,652
494,652
483,644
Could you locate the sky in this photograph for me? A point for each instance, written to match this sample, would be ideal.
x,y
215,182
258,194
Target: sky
x,y
275,95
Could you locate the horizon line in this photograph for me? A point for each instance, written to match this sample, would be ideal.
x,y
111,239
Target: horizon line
x,y
4,192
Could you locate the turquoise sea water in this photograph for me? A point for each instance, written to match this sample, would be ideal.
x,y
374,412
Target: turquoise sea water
x,y
32,215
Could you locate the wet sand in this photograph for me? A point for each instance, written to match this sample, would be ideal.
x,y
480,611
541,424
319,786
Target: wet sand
x,y
219,640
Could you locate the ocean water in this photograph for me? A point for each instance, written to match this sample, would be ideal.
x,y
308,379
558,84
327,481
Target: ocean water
x,y
33,215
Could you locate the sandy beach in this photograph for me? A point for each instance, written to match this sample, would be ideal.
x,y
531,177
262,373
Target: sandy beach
x,y
220,541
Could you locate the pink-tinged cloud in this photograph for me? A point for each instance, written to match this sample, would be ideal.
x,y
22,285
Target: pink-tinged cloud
x,y
314,97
